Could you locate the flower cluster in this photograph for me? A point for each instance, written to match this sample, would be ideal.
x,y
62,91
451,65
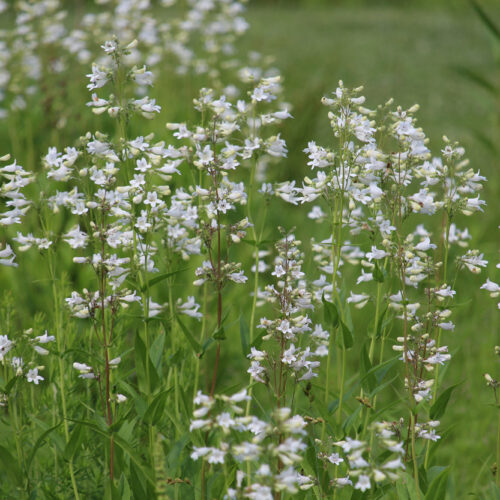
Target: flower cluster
x,y
367,464
14,179
272,450
14,354
296,344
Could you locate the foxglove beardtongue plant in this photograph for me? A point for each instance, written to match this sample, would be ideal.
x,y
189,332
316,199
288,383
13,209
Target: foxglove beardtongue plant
x,y
214,152
371,194
116,224
294,345
365,465
236,437
40,52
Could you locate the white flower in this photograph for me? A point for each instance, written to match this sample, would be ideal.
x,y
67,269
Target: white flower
x,y
32,376
446,326
216,456
425,245
120,398
199,452
492,287
76,238
45,338
335,459
445,292
5,346
190,308
237,277
98,78
225,421
363,483
109,46
359,300
364,277
7,257
343,481
376,254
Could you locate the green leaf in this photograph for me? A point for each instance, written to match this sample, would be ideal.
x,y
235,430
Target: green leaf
x,y
156,352
351,419
379,274
346,338
380,387
219,334
206,346
380,324
192,341
156,409
175,451
142,357
486,19
56,438
330,313
244,336
439,407
9,465
39,443
381,370
161,277
10,385
74,442
125,447
412,487
124,488
136,483
438,486
257,342
402,491
368,381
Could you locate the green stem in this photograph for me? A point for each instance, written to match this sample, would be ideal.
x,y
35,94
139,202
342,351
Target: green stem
x,y
342,381
174,346
202,338
17,432
60,349
414,455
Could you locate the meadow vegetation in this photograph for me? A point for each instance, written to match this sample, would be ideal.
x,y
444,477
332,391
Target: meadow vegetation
x,y
238,260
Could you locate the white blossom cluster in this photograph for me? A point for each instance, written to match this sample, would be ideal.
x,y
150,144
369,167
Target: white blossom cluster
x,y
296,344
15,204
118,197
195,36
18,355
374,185
365,464
272,449
368,194
230,135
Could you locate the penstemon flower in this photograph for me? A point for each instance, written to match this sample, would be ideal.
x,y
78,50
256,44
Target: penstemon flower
x,y
254,445
295,345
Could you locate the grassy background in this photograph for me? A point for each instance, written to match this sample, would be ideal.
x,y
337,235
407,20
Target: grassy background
x,y
402,49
